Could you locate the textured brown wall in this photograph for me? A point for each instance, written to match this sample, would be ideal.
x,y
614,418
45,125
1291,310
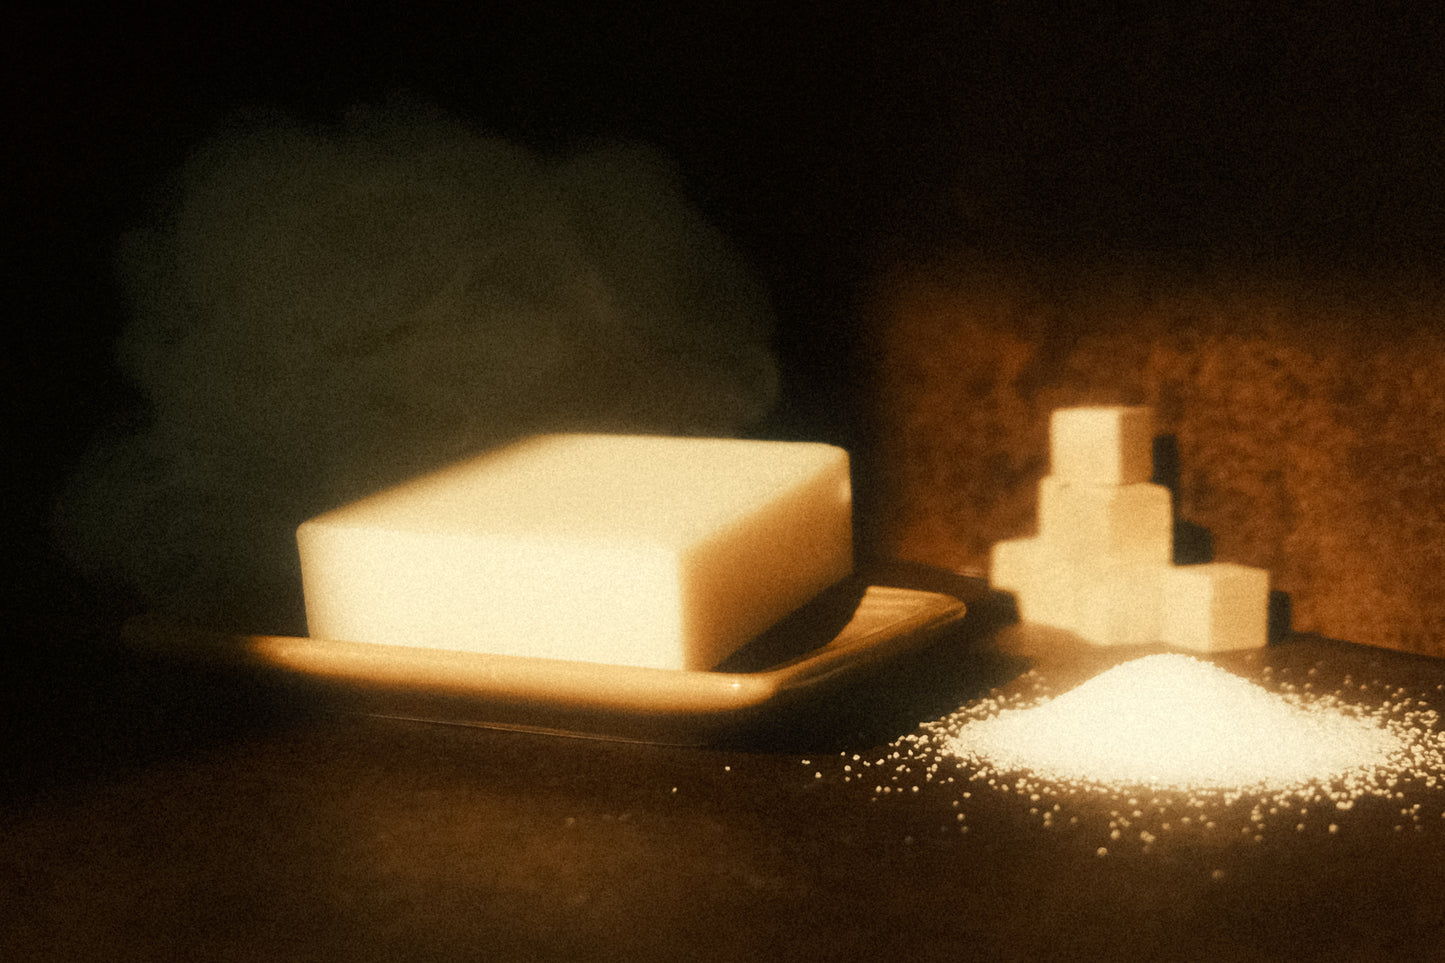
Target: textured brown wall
x,y
1308,414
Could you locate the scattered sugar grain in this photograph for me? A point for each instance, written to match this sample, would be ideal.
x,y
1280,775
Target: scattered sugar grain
x,y
1171,720
1180,745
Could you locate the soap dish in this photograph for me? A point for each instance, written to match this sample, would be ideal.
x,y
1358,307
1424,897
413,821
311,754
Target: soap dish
x,y
831,640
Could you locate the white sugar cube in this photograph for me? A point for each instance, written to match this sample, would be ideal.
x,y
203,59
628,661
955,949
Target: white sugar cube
x,y
1102,445
1100,565
1118,604
1215,607
1011,562
1044,581
1105,601
1128,522
632,550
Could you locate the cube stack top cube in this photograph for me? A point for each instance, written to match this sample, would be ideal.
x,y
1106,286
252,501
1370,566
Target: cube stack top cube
x,y
1102,445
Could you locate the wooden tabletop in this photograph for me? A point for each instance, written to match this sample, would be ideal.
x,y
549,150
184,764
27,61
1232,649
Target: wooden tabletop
x,y
157,812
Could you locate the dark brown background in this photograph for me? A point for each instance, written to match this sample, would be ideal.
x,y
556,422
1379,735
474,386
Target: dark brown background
x,y
1231,210
968,213
1228,168
1300,419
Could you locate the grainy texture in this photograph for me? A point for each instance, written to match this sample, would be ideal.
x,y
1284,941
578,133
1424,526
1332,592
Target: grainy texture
x,y
1301,422
169,816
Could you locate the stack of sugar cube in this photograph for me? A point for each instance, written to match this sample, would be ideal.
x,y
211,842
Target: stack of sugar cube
x,y
1101,565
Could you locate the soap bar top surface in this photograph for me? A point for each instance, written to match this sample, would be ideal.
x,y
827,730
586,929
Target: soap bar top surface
x,y
659,490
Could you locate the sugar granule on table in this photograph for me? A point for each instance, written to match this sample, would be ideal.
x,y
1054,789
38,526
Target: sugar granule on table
x,y
1169,743
1171,720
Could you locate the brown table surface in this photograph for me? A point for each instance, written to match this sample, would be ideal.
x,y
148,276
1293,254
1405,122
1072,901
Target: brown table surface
x,y
156,812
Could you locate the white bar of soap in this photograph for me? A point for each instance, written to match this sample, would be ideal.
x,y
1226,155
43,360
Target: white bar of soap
x,y
1102,445
1131,522
1215,607
632,550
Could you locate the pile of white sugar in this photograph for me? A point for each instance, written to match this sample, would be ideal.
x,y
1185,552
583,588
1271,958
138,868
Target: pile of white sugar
x,y
1171,720
1172,746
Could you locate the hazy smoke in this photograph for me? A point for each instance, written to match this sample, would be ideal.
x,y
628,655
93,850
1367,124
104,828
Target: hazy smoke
x,y
319,313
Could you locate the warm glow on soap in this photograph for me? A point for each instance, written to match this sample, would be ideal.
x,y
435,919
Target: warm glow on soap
x,y
631,550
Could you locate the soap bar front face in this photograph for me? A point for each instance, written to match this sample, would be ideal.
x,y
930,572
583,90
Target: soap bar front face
x,y
632,550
